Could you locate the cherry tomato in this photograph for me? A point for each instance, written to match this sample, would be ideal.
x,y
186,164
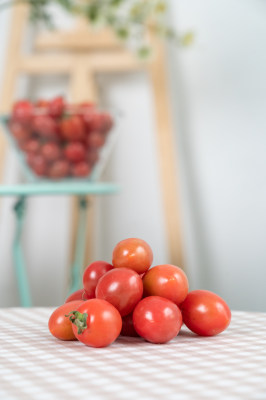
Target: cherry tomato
x,y
128,326
59,325
79,294
51,151
31,146
107,122
45,126
94,121
96,323
133,253
38,163
75,152
81,169
20,131
157,319
92,274
92,156
205,313
73,128
166,281
59,169
23,111
122,287
95,140
56,107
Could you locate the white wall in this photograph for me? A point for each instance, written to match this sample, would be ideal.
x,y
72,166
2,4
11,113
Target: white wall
x,y
218,91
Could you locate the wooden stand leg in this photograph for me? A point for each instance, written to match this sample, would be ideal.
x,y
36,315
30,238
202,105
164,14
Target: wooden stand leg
x,y
12,65
166,147
82,88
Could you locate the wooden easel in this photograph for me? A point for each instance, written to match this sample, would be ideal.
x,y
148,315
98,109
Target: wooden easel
x,y
83,53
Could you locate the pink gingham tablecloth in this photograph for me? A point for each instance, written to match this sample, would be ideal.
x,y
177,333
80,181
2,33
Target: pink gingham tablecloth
x,y
35,365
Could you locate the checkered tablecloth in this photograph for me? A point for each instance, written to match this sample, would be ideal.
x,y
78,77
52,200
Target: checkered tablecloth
x,y
35,365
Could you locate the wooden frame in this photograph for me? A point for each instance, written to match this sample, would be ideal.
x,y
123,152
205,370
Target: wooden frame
x,y
83,53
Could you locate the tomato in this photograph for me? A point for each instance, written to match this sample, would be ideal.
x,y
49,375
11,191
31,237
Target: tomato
x,y
19,131
133,253
107,122
59,169
94,121
81,169
95,140
128,326
51,151
157,319
79,294
59,325
205,313
75,152
92,156
92,274
96,323
30,146
56,107
23,111
122,287
37,163
73,128
45,126
166,281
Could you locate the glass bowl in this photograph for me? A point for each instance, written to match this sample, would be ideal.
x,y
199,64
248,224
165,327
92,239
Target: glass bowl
x,y
59,141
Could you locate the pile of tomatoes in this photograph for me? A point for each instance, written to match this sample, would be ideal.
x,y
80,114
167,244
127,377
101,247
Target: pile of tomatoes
x,y
130,298
58,139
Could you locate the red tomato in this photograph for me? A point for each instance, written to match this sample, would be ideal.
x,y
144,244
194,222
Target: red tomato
x,y
37,163
95,140
94,121
43,104
92,156
59,325
51,151
59,169
75,152
166,281
81,169
205,313
128,326
79,294
122,287
96,323
23,111
31,146
56,107
133,253
73,128
107,122
157,319
92,274
19,131
45,126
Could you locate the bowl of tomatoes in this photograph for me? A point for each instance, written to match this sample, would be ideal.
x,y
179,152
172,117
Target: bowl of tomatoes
x,y
56,140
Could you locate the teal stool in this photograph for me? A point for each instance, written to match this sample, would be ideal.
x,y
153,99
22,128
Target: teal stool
x,y
22,191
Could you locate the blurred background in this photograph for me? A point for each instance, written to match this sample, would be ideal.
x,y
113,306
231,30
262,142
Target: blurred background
x,y
217,87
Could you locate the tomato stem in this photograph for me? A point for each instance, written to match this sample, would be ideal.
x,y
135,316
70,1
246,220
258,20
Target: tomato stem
x,y
78,319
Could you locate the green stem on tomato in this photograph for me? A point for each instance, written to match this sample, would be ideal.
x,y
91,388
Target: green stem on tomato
x,y
78,319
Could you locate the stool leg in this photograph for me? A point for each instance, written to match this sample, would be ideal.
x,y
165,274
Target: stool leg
x,y
77,267
19,264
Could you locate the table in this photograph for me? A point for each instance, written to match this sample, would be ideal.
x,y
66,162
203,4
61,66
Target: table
x,y
78,188
35,365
